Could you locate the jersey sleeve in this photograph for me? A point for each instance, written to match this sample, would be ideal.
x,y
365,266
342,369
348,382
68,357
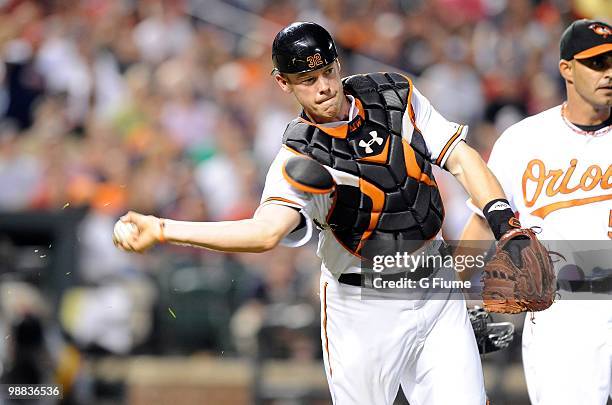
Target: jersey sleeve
x,y
278,191
440,135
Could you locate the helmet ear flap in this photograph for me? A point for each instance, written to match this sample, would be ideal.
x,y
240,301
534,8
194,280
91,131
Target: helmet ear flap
x,y
303,47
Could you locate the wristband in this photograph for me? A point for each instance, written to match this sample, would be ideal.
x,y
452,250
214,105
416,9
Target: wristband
x,y
500,217
162,229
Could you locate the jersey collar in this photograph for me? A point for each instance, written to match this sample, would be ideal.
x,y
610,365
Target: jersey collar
x,y
599,132
340,129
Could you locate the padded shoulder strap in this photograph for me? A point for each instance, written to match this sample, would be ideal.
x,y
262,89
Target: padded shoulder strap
x,y
298,135
394,88
295,129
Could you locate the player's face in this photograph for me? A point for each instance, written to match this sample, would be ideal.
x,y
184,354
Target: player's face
x,y
319,92
593,79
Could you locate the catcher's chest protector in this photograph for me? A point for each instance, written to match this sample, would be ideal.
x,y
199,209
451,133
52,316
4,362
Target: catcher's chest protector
x,y
397,197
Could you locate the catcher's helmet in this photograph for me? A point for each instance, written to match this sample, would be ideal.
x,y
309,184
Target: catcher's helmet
x,y
302,47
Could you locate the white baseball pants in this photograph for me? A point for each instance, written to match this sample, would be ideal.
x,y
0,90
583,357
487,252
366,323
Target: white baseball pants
x,y
567,353
370,347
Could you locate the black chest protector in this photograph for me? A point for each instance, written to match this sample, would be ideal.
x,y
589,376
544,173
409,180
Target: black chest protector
x,y
397,197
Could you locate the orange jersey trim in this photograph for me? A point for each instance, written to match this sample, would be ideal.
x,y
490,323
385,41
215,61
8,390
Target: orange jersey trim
x,y
448,145
279,199
331,373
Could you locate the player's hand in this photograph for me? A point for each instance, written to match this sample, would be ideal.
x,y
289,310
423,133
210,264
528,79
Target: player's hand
x,y
147,234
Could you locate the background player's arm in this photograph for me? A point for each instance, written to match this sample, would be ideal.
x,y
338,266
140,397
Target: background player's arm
x,y
270,224
472,172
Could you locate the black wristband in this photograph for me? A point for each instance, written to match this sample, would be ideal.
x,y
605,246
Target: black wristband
x,y
500,217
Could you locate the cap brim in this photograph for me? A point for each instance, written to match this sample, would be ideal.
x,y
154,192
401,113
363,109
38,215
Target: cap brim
x,y
594,51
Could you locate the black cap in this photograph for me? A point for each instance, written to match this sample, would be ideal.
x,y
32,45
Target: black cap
x,y
586,38
302,47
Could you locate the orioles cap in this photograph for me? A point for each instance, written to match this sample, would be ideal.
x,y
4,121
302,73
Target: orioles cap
x,y
584,39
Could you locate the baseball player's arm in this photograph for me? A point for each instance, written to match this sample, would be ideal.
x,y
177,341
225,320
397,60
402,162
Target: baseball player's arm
x,y
472,172
476,229
269,225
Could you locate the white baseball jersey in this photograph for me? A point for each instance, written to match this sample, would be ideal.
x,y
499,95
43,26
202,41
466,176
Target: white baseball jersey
x,y
559,178
440,135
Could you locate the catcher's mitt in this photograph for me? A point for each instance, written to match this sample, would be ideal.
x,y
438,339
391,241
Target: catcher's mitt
x,y
520,276
490,337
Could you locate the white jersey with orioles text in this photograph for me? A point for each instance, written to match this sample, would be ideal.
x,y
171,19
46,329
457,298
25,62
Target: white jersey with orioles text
x,y
557,176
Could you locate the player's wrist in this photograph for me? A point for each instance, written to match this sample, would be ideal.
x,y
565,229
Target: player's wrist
x,y
161,234
500,217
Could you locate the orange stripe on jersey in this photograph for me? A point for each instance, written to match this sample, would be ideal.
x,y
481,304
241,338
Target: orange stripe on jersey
x,y
280,199
325,328
448,145
547,209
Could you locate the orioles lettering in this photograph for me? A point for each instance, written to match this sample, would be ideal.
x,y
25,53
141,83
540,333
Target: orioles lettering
x,y
558,181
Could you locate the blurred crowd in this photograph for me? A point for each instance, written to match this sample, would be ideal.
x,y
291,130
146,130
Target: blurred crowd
x,y
157,107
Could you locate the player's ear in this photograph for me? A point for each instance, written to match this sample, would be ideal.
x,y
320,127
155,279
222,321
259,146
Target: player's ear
x,y
567,70
283,82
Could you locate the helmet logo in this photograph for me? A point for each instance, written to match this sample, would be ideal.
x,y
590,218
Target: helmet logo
x,y
601,30
314,60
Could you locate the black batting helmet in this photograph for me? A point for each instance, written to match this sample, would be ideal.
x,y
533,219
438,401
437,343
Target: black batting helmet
x,y
302,47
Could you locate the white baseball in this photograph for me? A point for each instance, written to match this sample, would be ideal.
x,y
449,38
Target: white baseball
x,y
124,230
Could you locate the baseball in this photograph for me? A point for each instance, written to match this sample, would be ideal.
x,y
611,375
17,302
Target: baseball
x,y
124,230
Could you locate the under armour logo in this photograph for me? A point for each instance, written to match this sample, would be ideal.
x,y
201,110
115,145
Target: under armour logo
x,y
367,145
